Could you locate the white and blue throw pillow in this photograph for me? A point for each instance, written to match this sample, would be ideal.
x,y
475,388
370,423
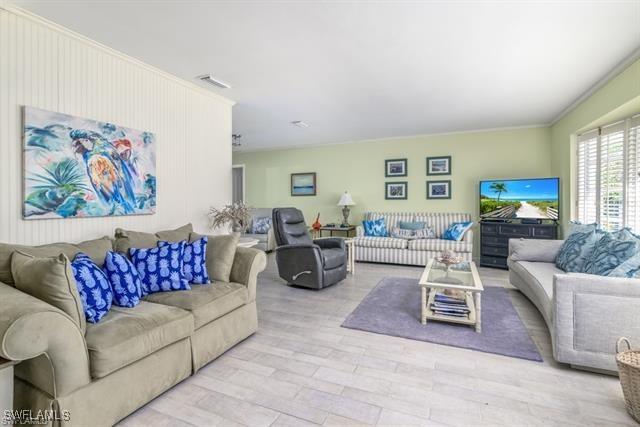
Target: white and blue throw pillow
x,y
629,269
415,225
261,225
578,227
194,261
456,230
576,250
93,287
160,269
608,254
402,233
425,233
124,279
375,227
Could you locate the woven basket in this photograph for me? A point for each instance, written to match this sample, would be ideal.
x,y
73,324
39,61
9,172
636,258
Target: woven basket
x,y
629,370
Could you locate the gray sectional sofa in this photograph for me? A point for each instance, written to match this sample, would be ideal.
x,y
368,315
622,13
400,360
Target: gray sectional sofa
x,y
102,372
585,314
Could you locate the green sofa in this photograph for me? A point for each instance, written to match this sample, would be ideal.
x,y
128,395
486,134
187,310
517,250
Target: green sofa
x,y
98,374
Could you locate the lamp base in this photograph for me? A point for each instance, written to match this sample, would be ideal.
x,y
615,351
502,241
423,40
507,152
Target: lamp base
x,y
345,216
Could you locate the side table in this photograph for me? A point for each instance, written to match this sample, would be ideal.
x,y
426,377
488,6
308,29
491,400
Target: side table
x,y
351,256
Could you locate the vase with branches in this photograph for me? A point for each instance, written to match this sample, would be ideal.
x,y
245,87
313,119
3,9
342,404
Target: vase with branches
x,y
236,214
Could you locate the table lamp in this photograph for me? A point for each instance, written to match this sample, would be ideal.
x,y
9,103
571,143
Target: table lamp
x,y
345,202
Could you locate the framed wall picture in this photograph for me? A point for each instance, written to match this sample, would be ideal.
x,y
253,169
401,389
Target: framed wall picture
x,y
303,184
438,189
439,165
395,167
395,190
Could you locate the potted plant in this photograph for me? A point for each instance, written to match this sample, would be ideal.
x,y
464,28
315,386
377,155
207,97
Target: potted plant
x,y
236,214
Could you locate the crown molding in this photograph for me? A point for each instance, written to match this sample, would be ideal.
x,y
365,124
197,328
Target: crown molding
x,y
622,65
391,138
18,11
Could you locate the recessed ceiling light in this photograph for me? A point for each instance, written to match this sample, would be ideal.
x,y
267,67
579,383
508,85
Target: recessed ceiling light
x,y
300,124
208,78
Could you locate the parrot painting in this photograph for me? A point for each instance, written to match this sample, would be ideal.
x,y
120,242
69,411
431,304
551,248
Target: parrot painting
x,y
77,167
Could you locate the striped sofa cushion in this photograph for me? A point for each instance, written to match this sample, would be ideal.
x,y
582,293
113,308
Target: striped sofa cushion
x,y
391,218
380,242
439,245
441,221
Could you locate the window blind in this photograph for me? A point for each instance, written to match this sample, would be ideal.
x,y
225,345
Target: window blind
x,y
608,177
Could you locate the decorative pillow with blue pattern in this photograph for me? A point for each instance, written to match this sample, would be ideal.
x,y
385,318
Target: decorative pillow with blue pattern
x,y
261,225
426,233
93,287
408,225
608,254
375,227
576,249
160,269
578,227
194,261
629,269
124,279
456,230
403,233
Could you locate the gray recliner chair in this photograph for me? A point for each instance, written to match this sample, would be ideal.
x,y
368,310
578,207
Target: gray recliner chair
x,y
302,261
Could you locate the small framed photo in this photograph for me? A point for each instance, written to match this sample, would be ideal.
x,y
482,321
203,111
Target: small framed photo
x,y
438,189
439,165
395,167
303,184
395,190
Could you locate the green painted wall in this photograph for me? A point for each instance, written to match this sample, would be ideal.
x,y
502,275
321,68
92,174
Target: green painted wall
x,y
359,168
619,98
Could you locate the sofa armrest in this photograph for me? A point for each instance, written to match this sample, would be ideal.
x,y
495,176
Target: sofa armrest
x,y
534,250
247,263
330,242
590,314
49,343
359,231
271,240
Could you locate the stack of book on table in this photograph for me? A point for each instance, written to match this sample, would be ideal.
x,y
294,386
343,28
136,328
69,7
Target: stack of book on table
x,y
445,305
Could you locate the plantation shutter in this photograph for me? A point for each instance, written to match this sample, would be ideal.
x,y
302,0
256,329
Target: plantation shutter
x,y
612,176
587,177
633,174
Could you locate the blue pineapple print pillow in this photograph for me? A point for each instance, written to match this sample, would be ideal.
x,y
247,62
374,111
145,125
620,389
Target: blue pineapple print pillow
x,y
160,269
93,287
124,279
194,261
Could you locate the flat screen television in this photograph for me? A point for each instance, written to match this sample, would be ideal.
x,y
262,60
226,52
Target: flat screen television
x,y
536,198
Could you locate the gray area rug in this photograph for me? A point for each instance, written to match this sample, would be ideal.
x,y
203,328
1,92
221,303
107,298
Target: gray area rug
x,y
393,308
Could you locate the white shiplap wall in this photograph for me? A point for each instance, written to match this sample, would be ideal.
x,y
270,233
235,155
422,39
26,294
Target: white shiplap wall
x,y
43,65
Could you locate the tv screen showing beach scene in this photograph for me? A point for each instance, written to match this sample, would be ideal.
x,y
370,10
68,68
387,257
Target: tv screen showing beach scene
x,y
520,198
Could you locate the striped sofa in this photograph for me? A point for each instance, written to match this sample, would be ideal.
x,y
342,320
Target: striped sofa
x,y
411,252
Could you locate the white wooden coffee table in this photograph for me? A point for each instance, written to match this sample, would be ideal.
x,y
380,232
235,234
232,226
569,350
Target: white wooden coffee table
x,y
462,277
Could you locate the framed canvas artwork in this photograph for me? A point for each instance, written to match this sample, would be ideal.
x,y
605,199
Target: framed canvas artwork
x,y
76,167
439,165
395,190
303,184
438,189
395,167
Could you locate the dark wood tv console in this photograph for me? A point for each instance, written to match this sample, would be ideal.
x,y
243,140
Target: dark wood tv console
x,y
495,235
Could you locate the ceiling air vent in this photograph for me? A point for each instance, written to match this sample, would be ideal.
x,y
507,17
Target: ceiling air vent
x,y
208,78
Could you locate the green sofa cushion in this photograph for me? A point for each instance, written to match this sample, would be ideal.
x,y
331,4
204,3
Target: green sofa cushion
x,y
50,280
126,335
125,239
221,251
96,249
205,302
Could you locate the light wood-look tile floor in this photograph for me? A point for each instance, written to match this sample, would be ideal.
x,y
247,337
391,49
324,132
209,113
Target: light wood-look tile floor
x,y
301,369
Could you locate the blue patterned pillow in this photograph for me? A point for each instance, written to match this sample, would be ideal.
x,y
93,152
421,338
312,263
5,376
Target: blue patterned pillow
x,y
261,225
425,233
124,279
578,227
402,233
456,230
375,227
93,287
194,261
407,225
160,269
608,254
576,249
629,269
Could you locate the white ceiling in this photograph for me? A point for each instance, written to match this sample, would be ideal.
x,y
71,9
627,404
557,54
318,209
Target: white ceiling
x,y
364,70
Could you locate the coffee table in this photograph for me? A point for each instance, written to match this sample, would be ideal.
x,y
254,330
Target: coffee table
x,y
462,277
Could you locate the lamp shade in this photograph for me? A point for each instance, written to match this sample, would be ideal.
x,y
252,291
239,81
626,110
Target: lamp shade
x,y
346,200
